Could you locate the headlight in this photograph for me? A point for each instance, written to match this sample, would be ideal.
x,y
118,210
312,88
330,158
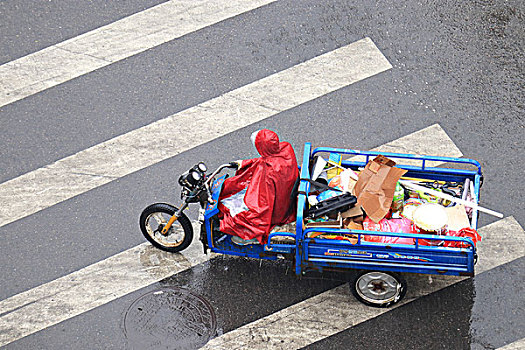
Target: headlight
x,y
195,176
201,167
190,179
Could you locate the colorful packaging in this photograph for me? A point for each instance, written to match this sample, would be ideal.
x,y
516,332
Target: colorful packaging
x,y
428,198
327,194
335,158
344,181
399,197
335,181
410,206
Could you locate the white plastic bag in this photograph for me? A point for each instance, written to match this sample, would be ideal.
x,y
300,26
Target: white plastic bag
x,y
235,203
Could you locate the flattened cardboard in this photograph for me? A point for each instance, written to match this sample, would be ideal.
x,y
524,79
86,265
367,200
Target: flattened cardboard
x,y
376,185
352,225
351,186
457,217
352,212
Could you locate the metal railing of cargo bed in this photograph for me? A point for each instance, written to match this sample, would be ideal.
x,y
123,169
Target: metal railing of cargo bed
x,y
302,240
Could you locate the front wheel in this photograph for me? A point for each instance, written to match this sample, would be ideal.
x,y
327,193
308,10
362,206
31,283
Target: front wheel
x,y
155,217
378,288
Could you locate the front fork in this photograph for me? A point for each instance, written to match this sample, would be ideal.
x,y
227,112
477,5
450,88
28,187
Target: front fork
x,y
174,218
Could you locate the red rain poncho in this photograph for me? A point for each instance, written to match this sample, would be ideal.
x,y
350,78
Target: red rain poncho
x,y
269,181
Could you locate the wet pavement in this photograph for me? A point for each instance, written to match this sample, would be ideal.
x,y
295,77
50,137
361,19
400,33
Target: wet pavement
x,y
459,64
169,318
485,312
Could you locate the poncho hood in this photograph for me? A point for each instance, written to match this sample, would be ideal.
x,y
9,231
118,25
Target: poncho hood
x,y
267,143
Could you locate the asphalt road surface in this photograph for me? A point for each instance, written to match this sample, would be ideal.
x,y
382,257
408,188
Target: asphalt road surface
x,y
104,104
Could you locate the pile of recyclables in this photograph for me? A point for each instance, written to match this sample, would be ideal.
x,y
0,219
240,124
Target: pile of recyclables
x,y
379,198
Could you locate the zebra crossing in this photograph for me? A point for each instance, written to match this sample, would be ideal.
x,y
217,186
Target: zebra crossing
x,y
143,147
315,318
518,344
134,269
111,43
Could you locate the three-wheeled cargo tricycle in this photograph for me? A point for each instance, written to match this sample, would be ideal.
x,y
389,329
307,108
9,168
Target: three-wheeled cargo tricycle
x,y
379,282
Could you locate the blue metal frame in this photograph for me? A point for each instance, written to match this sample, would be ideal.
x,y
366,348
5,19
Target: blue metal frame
x,y
422,158
319,254
390,257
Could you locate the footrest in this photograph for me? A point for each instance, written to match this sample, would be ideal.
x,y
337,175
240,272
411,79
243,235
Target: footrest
x,y
282,239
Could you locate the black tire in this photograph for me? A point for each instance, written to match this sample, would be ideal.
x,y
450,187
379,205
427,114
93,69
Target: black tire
x,y
181,230
378,288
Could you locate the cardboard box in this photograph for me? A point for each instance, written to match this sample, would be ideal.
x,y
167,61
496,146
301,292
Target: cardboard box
x,y
352,225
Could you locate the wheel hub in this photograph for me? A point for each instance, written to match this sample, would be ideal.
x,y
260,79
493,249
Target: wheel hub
x,y
160,228
378,287
156,223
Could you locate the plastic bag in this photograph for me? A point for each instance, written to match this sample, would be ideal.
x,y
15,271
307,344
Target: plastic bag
x,y
402,225
235,203
464,232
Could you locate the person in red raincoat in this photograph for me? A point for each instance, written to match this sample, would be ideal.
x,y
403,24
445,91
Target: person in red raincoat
x,y
265,184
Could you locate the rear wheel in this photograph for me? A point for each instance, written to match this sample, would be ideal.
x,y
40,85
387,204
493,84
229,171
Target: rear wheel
x,y
378,288
155,217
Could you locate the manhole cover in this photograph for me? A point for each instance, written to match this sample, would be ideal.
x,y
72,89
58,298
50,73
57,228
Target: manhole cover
x,y
169,318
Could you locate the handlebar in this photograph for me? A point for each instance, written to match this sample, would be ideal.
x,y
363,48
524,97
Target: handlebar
x,y
212,175
219,169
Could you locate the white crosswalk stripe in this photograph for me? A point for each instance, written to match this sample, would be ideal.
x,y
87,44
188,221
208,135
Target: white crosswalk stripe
x,y
111,43
336,310
88,288
194,126
100,283
517,345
